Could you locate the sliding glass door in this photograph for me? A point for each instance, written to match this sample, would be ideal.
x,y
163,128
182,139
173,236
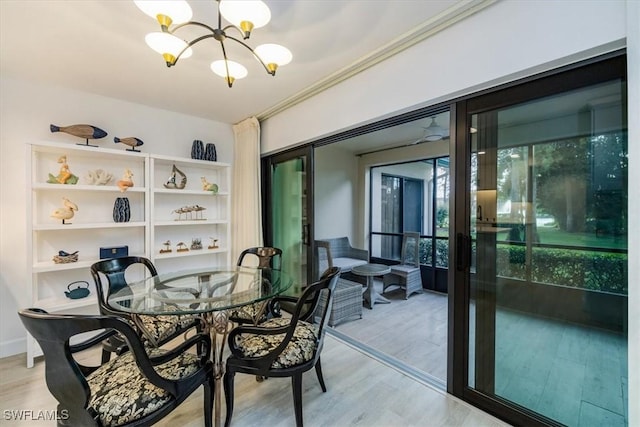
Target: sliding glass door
x,y
289,212
544,249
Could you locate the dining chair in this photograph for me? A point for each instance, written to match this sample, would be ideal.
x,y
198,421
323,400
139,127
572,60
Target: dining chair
x,y
285,346
133,388
406,275
263,257
154,330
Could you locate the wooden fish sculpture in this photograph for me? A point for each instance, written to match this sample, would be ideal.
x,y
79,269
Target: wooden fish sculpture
x,y
130,141
81,131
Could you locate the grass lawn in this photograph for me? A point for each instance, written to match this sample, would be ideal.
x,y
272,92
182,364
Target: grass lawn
x,y
555,236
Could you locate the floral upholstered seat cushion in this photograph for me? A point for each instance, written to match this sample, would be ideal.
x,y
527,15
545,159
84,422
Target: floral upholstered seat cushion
x,y
299,350
251,313
162,327
120,393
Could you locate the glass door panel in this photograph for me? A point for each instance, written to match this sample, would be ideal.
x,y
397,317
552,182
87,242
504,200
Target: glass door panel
x,y
289,216
547,314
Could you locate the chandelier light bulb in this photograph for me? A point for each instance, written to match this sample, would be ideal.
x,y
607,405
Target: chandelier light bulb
x,y
178,11
168,45
273,55
245,14
236,71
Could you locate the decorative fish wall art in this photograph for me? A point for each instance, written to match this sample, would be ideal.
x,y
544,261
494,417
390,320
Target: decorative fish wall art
x,y
130,141
81,131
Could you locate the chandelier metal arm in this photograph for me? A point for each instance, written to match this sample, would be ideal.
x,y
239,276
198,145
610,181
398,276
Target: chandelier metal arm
x,y
191,43
231,26
184,24
215,33
273,73
226,65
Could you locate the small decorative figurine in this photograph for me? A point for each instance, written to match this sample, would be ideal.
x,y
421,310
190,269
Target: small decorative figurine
x,y
66,212
64,176
187,211
182,247
214,243
131,141
197,150
173,179
207,186
81,290
64,257
210,152
81,131
196,209
126,181
196,243
167,247
98,177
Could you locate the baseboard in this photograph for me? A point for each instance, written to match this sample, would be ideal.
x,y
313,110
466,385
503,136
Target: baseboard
x,y
13,347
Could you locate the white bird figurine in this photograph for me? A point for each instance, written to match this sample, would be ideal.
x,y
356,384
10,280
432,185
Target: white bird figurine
x,y
66,212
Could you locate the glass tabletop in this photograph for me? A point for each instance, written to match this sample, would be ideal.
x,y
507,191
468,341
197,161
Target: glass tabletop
x,y
200,291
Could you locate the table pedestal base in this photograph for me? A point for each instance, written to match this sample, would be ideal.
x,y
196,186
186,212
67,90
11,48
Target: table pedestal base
x,y
371,295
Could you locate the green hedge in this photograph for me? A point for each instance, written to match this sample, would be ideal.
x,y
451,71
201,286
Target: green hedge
x,y
601,271
442,252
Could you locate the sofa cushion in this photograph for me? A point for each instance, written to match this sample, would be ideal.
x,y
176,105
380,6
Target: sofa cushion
x,y
346,264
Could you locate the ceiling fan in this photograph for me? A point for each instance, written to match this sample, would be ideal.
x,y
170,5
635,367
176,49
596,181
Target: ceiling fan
x,y
433,132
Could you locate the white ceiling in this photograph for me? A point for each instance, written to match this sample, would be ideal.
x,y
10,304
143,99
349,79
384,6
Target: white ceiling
x,y
98,47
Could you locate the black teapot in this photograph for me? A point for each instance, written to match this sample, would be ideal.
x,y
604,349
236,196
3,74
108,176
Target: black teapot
x,y
80,291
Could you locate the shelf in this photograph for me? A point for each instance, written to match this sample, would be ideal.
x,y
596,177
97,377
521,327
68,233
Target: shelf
x,y
57,147
190,222
62,303
87,226
204,163
188,192
92,227
83,187
49,266
198,252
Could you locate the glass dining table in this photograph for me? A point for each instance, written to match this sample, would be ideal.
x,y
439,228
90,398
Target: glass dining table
x,y
212,293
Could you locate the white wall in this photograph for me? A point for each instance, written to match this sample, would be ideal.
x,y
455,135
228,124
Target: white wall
x,y
506,40
335,189
26,110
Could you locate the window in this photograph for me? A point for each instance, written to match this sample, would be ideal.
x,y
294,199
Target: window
x,y
411,196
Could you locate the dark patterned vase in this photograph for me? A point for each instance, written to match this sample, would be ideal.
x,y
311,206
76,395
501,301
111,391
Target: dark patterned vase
x,y
210,153
197,150
121,210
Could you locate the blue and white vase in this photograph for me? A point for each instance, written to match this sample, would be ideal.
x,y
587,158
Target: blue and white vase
x,y
121,210
210,153
197,150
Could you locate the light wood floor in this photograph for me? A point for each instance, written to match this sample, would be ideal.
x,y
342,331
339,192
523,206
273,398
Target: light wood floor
x,y
413,331
361,392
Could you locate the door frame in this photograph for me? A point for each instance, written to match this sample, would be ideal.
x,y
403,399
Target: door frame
x,y
575,76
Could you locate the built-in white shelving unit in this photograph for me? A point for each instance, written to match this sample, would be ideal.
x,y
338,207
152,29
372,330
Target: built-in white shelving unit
x,y
152,222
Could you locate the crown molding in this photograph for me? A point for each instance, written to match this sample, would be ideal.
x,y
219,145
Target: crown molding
x,y
423,31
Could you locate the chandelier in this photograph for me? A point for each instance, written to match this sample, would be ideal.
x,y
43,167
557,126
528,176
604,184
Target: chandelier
x,y
243,16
